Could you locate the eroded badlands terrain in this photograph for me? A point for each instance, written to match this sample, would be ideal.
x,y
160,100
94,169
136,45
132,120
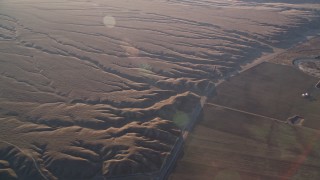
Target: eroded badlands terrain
x,y
92,88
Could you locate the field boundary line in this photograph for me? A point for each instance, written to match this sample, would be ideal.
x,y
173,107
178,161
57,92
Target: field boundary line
x,y
246,112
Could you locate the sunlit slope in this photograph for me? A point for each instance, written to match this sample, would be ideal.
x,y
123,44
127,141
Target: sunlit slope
x,y
90,88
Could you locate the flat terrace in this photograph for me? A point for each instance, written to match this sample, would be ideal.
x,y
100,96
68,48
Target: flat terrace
x,y
243,134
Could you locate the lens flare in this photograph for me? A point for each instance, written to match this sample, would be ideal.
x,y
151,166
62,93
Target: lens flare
x,y
109,21
181,119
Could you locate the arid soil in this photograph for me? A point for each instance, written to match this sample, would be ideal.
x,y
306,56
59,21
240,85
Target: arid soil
x,y
92,88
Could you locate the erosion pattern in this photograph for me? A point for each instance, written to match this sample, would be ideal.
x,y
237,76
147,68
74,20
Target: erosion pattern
x,y
92,88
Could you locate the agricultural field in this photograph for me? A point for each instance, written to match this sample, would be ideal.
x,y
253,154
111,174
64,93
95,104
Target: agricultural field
x,y
243,132
272,90
231,145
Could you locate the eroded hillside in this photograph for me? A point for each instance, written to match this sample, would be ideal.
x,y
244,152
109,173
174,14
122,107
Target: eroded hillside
x,y
103,88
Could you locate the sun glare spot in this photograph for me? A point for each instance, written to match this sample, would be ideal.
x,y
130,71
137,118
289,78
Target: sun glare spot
x,y
181,119
109,21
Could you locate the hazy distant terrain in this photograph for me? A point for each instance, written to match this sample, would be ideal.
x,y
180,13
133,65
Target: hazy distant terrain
x,y
103,88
